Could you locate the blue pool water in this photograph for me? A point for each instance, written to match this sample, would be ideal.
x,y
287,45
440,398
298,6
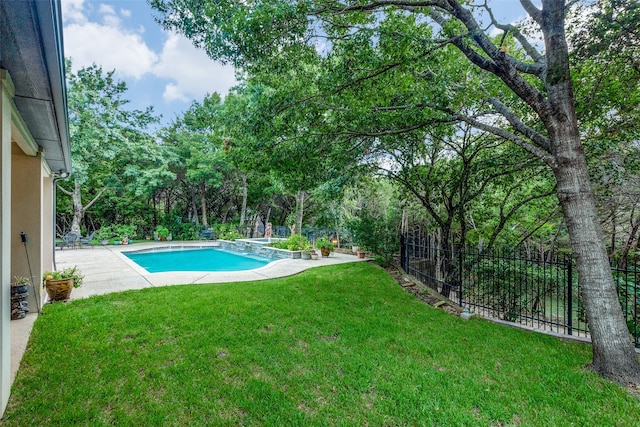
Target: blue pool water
x,y
209,259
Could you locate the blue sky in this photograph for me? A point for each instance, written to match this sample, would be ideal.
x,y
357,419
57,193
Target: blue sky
x,y
160,68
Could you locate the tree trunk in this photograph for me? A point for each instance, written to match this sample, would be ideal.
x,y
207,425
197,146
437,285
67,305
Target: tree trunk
x,y
268,218
194,206
448,269
243,212
78,209
613,354
203,203
155,211
300,210
614,223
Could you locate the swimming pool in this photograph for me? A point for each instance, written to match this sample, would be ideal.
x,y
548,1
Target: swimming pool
x,y
200,259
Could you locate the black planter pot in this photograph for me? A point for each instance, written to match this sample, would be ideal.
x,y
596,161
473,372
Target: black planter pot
x,y
19,305
21,289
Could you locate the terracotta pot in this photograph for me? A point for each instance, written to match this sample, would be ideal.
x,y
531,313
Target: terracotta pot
x,y
59,290
360,254
325,251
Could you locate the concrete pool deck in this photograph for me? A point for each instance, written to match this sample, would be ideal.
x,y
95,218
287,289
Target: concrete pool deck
x,y
106,270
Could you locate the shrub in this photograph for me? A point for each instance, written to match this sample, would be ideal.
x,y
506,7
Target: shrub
x,y
227,232
187,231
125,231
104,233
162,232
378,234
295,242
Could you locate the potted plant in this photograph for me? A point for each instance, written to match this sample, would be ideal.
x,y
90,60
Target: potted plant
x,y
104,234
125,231
19,295
162,233
325,246
20,285
307,250
60,283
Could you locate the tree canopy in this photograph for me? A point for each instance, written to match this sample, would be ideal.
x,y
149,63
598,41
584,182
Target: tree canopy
x,y
508,86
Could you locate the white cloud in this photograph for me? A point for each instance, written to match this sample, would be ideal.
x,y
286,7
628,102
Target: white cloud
x,y
109,47
192,72
106,9
111,21
72,11
173,93
168,70
110,18
108,44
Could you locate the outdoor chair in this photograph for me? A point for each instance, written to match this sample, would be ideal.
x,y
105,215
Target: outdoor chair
x,y
71,240
87,240
207,234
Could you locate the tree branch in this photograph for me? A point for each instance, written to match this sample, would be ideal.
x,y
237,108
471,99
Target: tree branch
x,y
515,121
498,63
539,152
100,193
534,12
64,190
528,47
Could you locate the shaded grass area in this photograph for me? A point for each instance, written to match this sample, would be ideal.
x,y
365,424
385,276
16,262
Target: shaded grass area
x,y
338,345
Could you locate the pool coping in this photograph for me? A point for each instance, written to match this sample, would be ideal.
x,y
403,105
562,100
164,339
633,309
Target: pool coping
x,y
143,271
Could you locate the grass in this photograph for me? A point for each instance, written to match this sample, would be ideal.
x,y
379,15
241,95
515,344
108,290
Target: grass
x,y
339,345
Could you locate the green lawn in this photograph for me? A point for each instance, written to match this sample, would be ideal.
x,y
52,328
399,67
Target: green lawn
x,y
340,345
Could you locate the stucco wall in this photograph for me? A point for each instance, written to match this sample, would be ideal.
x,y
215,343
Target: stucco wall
x,y
27,212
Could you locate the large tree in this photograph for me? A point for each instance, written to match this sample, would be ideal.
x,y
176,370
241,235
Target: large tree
x,y
606,63
278,144
196,139
112,146
530,101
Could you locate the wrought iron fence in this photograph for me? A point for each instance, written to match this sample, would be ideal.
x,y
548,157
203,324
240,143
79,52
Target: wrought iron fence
x,y
537,291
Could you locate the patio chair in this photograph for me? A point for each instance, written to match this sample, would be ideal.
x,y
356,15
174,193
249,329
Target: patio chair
x,y
71,240
87,240
207,234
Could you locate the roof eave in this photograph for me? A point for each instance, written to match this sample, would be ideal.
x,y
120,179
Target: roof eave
x,y
50,22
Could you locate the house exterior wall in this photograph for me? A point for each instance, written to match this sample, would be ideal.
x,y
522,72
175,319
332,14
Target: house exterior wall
x,y
6,94
26,205
47,247
34,145
27,214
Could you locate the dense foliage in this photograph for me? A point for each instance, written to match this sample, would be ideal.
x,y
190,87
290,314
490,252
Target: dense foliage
x,y
286,147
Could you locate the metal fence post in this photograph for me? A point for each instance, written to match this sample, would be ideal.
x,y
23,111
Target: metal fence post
x,y
403,252
570,297
460,288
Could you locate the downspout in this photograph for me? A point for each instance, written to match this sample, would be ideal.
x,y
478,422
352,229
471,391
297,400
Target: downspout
x,y
59,177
